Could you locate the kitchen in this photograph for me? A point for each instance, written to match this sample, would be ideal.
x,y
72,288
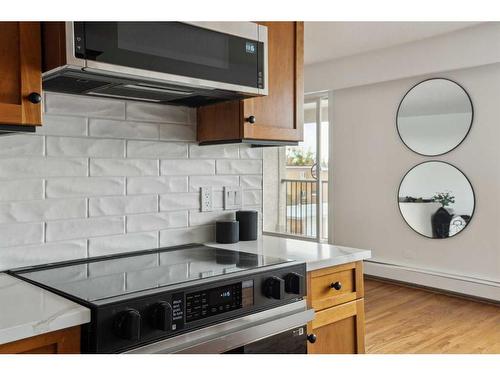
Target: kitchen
x,y
141,211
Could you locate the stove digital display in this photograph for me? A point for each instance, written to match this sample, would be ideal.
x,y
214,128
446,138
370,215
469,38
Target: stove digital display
x,y
219,300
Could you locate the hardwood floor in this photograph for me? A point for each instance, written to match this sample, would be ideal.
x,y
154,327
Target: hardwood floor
x,y
402,319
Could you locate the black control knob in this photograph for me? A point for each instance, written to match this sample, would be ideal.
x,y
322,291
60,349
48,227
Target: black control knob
x,y
161,316
312,338
35,98
294,283
127,325
336,285
274,287
251,119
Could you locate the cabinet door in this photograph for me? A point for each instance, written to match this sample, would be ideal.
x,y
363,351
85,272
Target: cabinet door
x,y
64,341
279,115
339,330
20,67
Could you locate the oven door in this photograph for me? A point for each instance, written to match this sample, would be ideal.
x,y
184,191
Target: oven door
x,y
219,55
256,333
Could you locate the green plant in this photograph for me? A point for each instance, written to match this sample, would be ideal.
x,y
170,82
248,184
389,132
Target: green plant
x,y
296,156
445,198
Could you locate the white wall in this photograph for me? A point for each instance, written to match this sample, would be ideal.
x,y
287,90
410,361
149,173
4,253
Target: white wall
x,y
105,176
368,161
472,46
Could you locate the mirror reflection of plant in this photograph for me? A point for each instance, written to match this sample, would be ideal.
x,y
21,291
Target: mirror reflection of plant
x,y
445,198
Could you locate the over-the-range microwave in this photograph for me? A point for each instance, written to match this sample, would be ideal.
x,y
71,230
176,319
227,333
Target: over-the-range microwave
x,y
185,63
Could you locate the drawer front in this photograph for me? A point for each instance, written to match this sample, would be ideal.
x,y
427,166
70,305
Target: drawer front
x,y
336,285
339,330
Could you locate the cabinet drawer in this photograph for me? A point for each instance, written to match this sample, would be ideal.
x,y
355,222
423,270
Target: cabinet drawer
x,y
339,329
336,285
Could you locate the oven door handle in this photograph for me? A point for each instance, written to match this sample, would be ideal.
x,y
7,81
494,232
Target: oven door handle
x,y
235,333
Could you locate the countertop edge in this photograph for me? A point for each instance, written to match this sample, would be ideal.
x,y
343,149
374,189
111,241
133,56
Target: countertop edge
x,y
64,313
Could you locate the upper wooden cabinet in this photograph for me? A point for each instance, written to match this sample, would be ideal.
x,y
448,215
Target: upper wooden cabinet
x,y
278,116
21,76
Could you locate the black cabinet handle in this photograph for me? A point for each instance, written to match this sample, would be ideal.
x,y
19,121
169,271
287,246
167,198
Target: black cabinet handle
x,y
312,338
336,285
35,98
251,119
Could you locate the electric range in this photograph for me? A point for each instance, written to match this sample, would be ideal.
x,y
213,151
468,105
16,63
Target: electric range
x,y
185,299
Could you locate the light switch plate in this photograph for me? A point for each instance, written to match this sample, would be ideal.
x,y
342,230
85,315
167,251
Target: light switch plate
x,y
232,197
206,198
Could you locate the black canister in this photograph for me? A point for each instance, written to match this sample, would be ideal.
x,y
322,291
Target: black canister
x,y
227,231
248,224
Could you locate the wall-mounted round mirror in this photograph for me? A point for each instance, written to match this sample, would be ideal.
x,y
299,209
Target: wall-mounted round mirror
x,y
436,199
434,117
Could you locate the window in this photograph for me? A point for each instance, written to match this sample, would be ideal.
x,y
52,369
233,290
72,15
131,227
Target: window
x,y
296,180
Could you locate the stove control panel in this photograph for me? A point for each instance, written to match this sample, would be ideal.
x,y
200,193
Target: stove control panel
x,y
156,316
205,303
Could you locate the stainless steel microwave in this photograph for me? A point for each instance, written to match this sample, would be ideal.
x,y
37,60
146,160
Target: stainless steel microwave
x,y
186,63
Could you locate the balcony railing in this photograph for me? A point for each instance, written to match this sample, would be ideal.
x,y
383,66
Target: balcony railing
x,y
301,206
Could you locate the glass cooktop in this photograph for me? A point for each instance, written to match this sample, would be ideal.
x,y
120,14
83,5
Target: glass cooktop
x,y
97,279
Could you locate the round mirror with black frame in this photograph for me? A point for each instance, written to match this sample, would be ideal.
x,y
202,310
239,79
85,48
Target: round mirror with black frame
x,y
434,117
436,199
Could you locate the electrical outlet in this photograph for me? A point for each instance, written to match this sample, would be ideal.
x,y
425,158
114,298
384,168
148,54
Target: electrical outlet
x,y
206,198
232,197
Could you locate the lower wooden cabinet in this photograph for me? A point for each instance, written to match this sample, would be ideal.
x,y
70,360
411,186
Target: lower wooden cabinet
x,y
337,296
339,329
64,341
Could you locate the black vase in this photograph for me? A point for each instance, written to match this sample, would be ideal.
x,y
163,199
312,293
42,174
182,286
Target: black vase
x,y
441,223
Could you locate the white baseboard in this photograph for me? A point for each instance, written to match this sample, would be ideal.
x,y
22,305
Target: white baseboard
x,y
454,283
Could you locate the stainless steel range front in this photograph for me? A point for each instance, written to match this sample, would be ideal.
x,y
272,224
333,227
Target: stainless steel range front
x,y
189,299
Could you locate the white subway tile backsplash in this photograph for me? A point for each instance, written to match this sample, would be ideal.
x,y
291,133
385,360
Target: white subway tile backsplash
x,y
84,106
160,113
132,204
103,176
63,126
201,234
124,167
15,234
187,167
20,167
252,197
42,210
217,182
239,166
156,150
21,145
13,190
158,185
214,152
179,201
157,221
251,182
24,256
123,129
203,218
248,152
68,229
84,187
171,132
91,147
108,245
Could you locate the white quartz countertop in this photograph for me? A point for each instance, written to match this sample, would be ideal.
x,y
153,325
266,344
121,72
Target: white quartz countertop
x,y
316,255
27,310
